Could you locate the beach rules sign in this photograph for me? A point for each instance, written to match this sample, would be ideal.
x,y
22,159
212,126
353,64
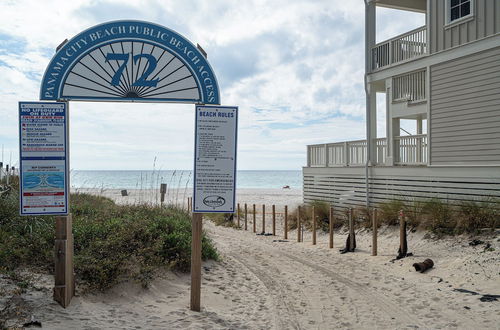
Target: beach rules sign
x,y
43,142
215,159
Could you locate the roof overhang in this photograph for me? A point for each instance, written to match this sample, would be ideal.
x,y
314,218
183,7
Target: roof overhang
x,y
419,6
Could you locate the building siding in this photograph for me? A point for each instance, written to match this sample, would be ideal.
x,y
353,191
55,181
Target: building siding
x,y
486,22
465,110
345,187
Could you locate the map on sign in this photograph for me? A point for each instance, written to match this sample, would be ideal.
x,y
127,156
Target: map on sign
x,y
215,159
43,150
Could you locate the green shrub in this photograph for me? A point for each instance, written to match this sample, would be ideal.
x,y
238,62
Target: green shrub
x,y
389,212
222,219
112,242
475,215
438,216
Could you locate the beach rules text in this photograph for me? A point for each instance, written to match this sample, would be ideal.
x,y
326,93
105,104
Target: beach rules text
x,y
215,159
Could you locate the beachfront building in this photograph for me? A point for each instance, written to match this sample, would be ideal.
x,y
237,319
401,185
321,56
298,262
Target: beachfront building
x,y
443,78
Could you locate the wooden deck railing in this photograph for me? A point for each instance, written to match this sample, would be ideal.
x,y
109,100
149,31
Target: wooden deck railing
x,y
411,150
401,48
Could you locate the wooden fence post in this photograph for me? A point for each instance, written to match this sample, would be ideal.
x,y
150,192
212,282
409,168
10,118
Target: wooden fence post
x,y
374,230
351,230
196,261
313,226
163,191
403,248
330,223
254,225
246,216
298,224
64,286
263,218
285,229
238,215
274,220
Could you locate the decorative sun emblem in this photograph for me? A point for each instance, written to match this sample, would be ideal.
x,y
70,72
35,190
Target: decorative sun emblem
x,y
131,70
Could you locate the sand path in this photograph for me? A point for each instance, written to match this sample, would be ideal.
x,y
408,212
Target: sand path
x,y
263,282
312,287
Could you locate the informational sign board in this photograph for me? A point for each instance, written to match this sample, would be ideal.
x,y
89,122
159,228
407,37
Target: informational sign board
x,y
215,159
43,143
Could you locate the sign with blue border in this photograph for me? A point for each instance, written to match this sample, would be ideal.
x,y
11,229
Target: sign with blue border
x,y
43,150
132,61
215,159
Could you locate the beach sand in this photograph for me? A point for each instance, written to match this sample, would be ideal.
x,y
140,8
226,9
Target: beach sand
x,y
265,282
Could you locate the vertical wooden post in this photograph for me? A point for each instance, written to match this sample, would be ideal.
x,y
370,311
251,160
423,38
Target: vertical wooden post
x,y
163,191
330,225
263,218
254,219
314,226
402,234
374,230
351,230
285,229
196,261
298,224
246,216
238,215
274,220
64,288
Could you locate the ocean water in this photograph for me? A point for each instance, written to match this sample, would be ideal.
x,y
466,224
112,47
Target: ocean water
x,y
179,179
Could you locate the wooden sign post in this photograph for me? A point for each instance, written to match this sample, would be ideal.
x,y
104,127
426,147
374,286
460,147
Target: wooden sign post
x,y
64,288
196,261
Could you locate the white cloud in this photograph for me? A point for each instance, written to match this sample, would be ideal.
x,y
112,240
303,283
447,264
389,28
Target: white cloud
x,y
295,69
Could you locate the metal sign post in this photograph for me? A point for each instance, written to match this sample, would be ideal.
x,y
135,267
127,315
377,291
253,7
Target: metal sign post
x,y
214,177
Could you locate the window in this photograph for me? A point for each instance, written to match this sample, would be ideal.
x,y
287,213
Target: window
x,y
459,9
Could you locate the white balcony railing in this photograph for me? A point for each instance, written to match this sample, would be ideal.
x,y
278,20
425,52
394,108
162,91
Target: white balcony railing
x,y
351,153
411,150
401,48
409,87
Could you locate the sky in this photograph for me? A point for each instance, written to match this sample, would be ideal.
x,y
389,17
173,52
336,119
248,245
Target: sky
x,y
294,68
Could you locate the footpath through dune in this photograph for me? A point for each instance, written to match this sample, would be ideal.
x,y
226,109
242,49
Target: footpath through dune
x,y
264,282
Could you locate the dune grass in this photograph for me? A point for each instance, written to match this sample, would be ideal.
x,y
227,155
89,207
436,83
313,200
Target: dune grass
x,y
112,242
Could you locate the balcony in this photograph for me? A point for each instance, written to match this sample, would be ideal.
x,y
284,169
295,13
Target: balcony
x,y
402,48
409,150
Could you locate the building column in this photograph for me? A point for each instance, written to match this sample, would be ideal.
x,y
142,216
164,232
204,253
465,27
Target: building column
x,y
396,125
389,156
372,122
